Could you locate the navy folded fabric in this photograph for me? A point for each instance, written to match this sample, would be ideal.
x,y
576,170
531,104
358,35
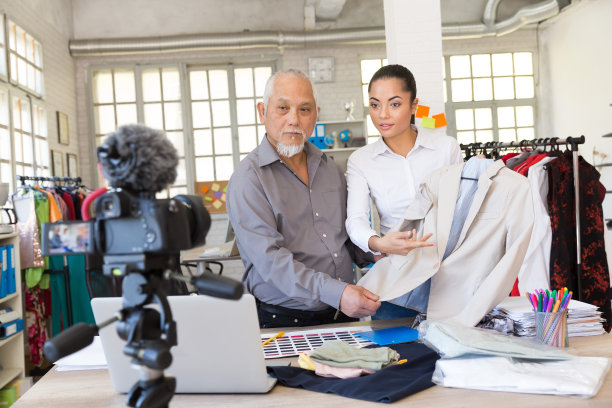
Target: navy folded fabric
x,y
387,385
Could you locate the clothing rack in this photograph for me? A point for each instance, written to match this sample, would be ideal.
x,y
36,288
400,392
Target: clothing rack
x,y
571,144
65,272
72,180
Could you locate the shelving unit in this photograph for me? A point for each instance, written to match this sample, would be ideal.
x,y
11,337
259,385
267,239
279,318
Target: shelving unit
x,y
339,153
12,357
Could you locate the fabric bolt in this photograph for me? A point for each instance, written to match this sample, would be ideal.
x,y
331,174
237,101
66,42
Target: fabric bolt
x,y
479,273
291,235
388,385
391,181
339,353
595,275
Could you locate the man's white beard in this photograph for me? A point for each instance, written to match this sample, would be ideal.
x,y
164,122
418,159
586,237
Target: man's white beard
x,y
292,149
289,150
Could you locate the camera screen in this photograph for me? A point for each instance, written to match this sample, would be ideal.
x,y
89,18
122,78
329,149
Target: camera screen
x,y
64,238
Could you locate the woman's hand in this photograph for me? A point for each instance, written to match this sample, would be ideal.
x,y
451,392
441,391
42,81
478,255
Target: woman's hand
x,y
399,243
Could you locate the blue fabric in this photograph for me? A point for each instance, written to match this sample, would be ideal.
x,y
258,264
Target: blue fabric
x,y
392,311
418,298
387,385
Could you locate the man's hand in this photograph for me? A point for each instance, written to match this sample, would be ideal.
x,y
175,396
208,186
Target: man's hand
x,y
399,243
357,301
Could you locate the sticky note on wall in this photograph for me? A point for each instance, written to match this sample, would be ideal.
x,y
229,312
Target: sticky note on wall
x,y
422,111
440,120
428,123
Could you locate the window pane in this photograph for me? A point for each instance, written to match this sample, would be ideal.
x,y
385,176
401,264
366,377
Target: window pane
x,y
245,110
525,133
444,91
481,65
176,138
223,141
201,114
5,142
153,115
171,84
126,114
173,115
504,88
505,117
105,119
483,91
18,147
44,153
465,137
261,133
460,66
124,86
484,136
261,77
372,131
202,142
28,152
369,68
7,174
524,116
464,119
483,118
507,135
199,87
181,173
502,64
221,113
523,64
224,166
178,191
247,136
151,88
524,87
366,95
243,78
218,84
462,90
204,169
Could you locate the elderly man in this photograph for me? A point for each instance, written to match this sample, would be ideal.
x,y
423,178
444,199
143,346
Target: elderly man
x,y
287,204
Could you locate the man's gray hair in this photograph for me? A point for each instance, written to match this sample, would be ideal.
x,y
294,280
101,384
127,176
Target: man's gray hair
x,y
291,72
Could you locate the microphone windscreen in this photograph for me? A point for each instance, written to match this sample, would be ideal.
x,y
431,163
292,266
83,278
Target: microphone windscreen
x,y
69,341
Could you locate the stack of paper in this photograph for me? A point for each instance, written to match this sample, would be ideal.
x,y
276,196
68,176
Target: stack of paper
x,y
583,319
89,358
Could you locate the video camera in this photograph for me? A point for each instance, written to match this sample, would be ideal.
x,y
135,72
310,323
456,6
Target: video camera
x,y
138,237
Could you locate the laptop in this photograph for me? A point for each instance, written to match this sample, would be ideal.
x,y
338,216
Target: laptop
x,y
219,346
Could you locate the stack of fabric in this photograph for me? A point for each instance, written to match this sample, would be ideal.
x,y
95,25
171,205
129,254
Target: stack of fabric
x,y
583,319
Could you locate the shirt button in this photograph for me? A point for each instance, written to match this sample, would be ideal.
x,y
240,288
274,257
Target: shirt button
x,y
317,214
324,235
311,190
295,320
336,254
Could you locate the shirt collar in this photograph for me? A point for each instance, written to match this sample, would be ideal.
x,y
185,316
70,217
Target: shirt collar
x,y
427,142
268,154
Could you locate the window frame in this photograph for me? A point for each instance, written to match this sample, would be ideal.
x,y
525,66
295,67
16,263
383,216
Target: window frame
x,y
451,107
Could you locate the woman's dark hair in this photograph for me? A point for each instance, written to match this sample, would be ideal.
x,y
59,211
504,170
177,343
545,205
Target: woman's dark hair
x,y
400,72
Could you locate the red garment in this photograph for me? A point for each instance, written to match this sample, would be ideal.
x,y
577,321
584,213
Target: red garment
x,y
530,162
70,204
507,156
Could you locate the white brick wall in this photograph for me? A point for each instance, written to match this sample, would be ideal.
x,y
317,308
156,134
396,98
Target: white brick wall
x,y
58,65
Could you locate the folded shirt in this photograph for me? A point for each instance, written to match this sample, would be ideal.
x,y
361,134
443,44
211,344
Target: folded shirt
x,y
338,353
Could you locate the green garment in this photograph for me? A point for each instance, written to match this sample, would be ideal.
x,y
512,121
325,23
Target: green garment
x,y
338,353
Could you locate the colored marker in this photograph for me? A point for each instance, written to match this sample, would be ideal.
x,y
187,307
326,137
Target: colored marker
x,y
276,336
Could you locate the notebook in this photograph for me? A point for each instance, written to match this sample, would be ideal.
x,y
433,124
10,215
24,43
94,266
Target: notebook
x,y
219,346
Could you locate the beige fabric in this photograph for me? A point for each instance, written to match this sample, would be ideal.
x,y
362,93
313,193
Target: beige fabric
x,y
481,270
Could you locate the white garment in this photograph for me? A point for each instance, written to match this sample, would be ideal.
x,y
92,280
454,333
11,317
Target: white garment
x,y
535,271
391,181
481,270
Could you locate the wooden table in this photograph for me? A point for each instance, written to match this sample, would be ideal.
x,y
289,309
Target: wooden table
x,y
93,389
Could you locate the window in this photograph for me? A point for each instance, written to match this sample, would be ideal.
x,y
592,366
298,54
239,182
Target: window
x,y
26,59
6,156
216,95
30,138
3,71
490,97
220,106
368,69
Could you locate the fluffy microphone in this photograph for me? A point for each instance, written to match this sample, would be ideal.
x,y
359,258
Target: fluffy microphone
x,y
138,159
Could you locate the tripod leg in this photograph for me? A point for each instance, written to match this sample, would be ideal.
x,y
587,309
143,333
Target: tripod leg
x,y
152,394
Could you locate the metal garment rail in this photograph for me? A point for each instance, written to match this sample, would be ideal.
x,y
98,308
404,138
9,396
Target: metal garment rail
x,y
572,144
23,179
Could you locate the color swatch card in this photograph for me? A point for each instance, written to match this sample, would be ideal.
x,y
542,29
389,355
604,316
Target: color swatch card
x,y
293,343
393,335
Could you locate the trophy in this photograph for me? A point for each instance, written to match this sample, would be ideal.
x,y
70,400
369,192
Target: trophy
x,y
348,107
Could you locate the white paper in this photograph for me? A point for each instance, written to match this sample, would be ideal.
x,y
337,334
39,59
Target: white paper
x,y
90,358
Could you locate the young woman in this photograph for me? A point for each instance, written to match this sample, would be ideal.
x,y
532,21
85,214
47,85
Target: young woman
x,y
389,172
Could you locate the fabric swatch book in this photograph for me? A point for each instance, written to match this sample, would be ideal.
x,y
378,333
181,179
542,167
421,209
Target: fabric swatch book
x,y
393,335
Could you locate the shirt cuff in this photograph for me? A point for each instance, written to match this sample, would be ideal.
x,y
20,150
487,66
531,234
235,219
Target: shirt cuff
x,y
363,239
332,292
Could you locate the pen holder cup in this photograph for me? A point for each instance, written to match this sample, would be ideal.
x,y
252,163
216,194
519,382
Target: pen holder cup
x,y
551,328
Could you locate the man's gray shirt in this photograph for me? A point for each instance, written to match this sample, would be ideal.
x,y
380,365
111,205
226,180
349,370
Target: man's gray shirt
x,y
291,236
